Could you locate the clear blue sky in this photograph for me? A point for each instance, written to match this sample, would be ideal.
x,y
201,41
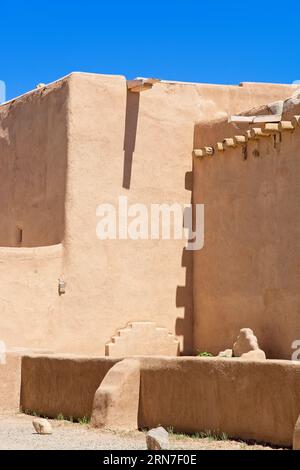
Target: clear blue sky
x,y
216,42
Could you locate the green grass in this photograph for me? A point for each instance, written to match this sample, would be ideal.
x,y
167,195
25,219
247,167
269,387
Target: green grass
x,y
211,435
204,354
84,420
60,417
33,413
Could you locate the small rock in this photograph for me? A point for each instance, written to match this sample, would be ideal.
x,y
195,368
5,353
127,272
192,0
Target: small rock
x,y
42,426
245,342
226,353
157,439
257,355
41,85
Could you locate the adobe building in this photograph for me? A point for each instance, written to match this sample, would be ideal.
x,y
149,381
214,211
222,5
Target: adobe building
x,y
88,139
248,273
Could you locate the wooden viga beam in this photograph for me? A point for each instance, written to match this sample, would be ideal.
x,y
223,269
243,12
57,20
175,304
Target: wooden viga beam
x,y
205,151
271,128
235,141
229,142
240,139
257,133
141,84
282,126
220,146
286,126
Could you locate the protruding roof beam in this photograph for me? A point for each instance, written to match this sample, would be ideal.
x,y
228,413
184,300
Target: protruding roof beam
x,y
141,84
286,126
257,132
220,146
199,153
229,142
271,128
240,139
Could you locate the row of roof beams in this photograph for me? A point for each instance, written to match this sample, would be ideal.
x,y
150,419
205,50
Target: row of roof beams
x,y
269,128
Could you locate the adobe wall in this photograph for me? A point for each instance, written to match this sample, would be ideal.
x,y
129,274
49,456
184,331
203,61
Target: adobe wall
x,y
247,274
33,149
223,396
30,307
139,146
220,395
64,383
10,383
78,143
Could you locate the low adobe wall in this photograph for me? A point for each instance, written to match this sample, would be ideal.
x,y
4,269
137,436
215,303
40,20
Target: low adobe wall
x,y
53,385
188,394
247,400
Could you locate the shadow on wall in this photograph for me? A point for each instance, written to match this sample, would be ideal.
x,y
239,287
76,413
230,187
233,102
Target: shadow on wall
x,y
33,167
184,294
131,121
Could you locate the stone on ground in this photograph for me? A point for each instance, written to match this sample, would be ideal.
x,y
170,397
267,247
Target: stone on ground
x,y
245,342
157,439
42,426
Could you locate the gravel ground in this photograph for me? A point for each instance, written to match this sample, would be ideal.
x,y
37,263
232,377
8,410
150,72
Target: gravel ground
x,y
17,433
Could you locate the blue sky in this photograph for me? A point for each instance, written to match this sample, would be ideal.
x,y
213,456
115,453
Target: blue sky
x,y
216,42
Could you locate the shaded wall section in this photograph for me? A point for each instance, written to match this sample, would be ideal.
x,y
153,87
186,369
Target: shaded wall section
x,y
33,166
247,274
33,149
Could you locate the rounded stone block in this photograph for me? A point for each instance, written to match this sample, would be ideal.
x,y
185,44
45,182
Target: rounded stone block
x,y
116,401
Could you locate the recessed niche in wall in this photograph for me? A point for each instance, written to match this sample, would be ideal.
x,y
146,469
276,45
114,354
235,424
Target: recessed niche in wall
x,y
19,235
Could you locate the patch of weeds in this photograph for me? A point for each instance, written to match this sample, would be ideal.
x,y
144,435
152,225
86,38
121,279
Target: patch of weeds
x,y
61,417
243,446
34,413
71,419
213,436
181,436
204,354
84,420
170,430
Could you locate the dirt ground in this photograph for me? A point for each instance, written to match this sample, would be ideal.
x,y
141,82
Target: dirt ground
x,y
17,433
